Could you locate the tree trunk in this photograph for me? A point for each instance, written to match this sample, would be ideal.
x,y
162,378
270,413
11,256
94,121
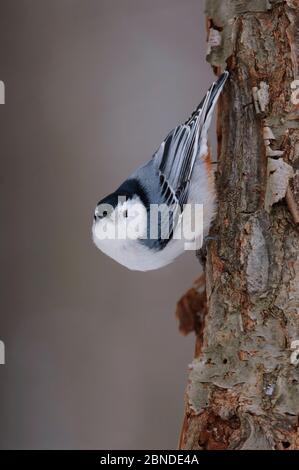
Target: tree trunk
x,y
243,390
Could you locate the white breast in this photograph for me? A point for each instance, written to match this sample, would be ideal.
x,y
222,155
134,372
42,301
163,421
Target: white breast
x,y
135,255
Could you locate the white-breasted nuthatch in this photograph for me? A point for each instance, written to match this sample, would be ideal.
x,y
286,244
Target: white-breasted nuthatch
x,y
138,224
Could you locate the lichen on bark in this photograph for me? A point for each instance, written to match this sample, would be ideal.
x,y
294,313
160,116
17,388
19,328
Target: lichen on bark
x,y
243,390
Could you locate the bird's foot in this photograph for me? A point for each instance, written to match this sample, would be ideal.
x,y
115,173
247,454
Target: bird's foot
x,y
202,253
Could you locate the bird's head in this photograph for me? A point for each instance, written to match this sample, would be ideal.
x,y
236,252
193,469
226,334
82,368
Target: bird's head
x,y
121,215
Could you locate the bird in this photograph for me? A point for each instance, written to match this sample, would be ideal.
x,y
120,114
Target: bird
x,y
139,225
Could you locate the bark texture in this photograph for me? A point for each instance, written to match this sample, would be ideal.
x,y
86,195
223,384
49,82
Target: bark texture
x,y
243,390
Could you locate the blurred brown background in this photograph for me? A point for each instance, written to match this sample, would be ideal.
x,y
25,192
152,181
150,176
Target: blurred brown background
x,y
93,355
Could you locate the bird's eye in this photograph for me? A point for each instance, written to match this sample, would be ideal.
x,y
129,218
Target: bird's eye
x,y
100,215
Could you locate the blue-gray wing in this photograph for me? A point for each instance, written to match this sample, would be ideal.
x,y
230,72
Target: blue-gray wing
x,y
168,174
178,152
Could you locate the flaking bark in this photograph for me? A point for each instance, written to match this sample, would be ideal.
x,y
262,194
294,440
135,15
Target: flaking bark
x,y
243,390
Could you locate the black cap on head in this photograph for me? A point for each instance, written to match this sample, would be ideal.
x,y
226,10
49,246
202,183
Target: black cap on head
x,y
129,189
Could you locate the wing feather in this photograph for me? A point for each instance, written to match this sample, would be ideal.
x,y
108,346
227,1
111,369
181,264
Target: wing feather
x,y
178,152
176,158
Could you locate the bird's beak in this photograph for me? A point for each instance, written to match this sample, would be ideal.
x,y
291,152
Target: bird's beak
x,y
97,214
